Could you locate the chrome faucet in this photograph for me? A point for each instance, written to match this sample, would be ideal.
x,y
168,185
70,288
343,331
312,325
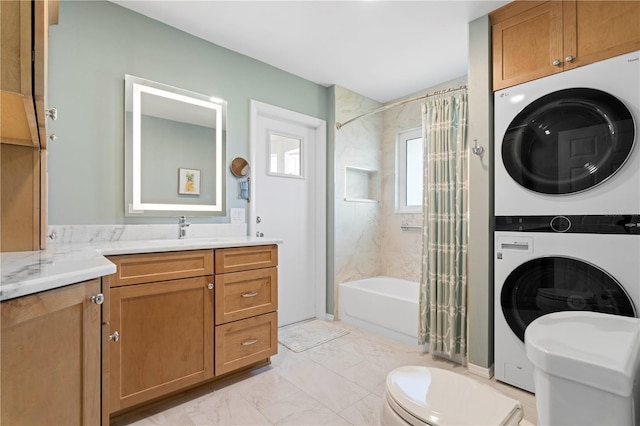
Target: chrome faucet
x,y
182,223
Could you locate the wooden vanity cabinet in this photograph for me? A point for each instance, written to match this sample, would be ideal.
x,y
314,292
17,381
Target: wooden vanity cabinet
x,y
534,39
162,309
51,357
246,304
179,325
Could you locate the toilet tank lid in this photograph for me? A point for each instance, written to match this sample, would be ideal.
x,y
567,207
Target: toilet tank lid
x,y
592,348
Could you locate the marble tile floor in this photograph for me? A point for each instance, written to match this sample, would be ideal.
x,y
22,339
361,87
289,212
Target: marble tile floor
x,y
340,382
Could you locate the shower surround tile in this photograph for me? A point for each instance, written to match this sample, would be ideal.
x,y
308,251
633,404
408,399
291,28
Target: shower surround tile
x,y
357,224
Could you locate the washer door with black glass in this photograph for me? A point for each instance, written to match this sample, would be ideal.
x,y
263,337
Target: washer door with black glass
x,y
568,141
553,284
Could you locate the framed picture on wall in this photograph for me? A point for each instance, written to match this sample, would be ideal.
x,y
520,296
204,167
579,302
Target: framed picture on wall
x,y
188,181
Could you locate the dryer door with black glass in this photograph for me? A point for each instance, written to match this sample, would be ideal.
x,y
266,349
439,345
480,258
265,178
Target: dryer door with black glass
x,y
553,284
568,141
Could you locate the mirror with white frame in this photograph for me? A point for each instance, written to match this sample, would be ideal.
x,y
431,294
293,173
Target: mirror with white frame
x,y
174,151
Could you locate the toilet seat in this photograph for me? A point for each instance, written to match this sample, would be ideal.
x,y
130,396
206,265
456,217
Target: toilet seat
x,y
432,396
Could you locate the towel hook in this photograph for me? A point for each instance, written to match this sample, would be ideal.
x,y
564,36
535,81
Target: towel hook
x,y
477,149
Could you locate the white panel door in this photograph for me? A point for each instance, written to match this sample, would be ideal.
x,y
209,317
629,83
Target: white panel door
x,y
288,202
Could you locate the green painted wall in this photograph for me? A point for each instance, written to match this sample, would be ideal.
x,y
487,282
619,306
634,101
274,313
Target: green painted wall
x,y
91,49
480,250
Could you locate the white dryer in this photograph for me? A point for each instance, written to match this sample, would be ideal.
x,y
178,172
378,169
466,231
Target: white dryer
x,y
542,272
567,143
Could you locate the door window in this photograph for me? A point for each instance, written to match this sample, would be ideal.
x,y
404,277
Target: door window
x,y
553,284
568,141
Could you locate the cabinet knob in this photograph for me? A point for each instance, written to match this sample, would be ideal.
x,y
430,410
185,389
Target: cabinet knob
x,y
210,286
98,299
556,62
259,234
569,58
52,113
115,336
52,137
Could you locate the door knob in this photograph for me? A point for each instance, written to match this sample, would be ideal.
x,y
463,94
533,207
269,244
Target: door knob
x,y
98,299
52,113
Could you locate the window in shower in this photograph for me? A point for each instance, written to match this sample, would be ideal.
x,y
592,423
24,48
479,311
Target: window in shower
x,y
409,169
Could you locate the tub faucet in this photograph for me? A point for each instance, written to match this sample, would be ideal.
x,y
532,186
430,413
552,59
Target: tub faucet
x,y
182,223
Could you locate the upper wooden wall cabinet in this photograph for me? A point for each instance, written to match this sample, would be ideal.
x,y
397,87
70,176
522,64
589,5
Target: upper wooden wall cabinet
x,y
24,43
23,134
534,39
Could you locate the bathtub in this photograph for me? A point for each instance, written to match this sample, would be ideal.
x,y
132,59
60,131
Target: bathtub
x,y
384,305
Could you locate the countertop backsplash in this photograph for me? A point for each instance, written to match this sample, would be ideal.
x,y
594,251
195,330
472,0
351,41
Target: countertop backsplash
x,y
65,234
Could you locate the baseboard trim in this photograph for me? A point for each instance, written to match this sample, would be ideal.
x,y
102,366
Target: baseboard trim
x,y
487,373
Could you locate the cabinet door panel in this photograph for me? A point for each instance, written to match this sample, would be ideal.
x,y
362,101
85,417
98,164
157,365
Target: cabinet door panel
x,y
51,357
166,339
525,45
20,197
598,30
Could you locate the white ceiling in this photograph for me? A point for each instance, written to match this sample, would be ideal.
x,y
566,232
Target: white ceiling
x,y
383,50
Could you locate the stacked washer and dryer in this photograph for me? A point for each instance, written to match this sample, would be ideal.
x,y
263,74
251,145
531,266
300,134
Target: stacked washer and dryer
x,y
567,202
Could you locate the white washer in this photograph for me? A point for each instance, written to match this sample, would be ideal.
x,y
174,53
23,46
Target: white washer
x,y
568,143
539,273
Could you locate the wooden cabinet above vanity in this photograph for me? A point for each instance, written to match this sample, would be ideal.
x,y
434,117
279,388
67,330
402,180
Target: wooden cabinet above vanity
x,y
23,121
181,321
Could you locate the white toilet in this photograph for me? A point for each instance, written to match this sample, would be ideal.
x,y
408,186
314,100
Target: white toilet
x,y
418,395
585,368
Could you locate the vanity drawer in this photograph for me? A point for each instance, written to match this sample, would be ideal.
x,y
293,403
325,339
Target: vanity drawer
x,y
245,294
246,258
244,342
151,267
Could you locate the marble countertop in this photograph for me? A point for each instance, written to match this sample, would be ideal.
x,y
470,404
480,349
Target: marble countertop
x,y
24,273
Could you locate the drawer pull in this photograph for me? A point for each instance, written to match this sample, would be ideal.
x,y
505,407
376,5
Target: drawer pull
x,y
249,342
252,294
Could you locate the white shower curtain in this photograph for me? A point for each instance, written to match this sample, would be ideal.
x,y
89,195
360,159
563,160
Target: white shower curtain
x,y
443,288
